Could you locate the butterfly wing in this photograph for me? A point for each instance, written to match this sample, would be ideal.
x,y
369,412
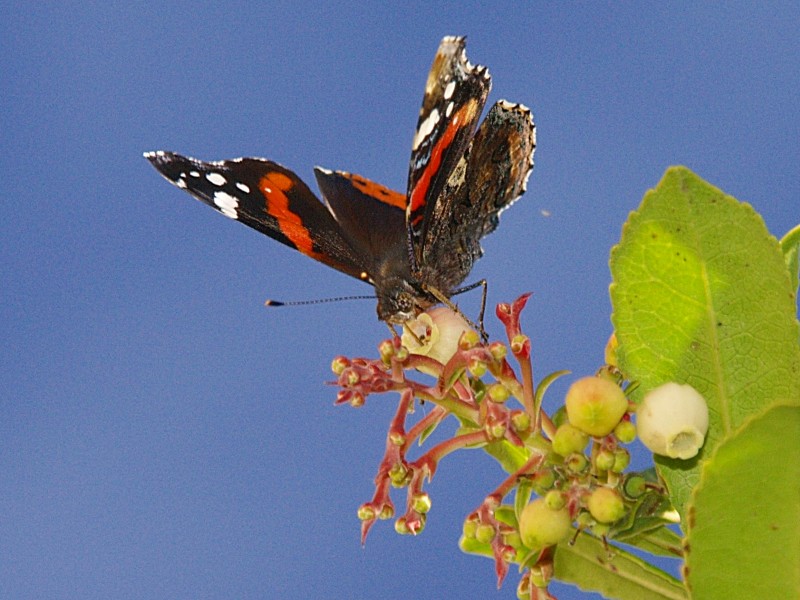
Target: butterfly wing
x,y
490,176
455,94
269,198
371,216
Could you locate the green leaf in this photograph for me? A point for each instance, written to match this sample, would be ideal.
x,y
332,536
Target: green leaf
x,y
701,295
510,457
744,525
613,572
546,383
660,542
790,245
522,496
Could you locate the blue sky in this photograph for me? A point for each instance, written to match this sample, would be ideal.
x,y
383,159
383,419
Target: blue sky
x,y
162,434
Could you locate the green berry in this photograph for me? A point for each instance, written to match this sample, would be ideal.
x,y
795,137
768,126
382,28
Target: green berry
x,y
606,505
625,431
470,528
595,405
604,461
555,499
569,439
622,458
541,526
484,534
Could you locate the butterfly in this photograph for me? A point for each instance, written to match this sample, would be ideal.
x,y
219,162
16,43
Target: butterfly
x,y
415,248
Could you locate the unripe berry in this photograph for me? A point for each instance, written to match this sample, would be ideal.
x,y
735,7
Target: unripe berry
x,y
625,431
484,534
569,439
555,499
634,486
622,458
606,505
595,405
604,461
540,525
470,528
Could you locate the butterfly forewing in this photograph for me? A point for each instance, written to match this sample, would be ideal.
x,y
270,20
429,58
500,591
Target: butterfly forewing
x,y
267,197
455,94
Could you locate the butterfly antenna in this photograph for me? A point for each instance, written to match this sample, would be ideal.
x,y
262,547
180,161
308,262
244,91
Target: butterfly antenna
x,y
317,301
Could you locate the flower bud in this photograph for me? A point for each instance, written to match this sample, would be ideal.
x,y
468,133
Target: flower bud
x,y
540,525
606,505
366,512
521,423
401,527
469,339
386,350
498,350
499,393
595,405
436,333
421,503
339,364
477,368
672,420
518,343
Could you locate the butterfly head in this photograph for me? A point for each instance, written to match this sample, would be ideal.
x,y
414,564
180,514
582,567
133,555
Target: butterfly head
x,y
399,300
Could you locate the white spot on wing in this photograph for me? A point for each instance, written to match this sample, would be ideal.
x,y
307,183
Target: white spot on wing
x,y
448,91
181,183
216,179
243,187
449,110
226,204
194,173
425,128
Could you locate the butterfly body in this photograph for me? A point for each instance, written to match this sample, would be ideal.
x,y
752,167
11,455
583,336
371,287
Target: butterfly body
x,y
414,248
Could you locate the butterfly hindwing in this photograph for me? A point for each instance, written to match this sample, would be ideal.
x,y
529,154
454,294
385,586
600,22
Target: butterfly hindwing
x,y
267,197
491,175
455,94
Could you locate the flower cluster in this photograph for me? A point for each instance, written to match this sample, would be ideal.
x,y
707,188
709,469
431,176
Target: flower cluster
x,y
574,462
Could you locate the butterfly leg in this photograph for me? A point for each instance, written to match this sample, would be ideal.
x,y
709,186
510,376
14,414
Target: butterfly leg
x,y
452,306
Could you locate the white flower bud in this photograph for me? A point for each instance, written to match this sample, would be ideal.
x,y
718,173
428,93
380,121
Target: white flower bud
x,y
672,421
437,333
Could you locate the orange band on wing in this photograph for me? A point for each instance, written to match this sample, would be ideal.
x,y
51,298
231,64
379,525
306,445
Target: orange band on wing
x,y
379,192
274,187
457,122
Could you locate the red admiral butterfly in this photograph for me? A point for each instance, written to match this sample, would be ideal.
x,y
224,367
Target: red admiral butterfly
x,y
414,248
